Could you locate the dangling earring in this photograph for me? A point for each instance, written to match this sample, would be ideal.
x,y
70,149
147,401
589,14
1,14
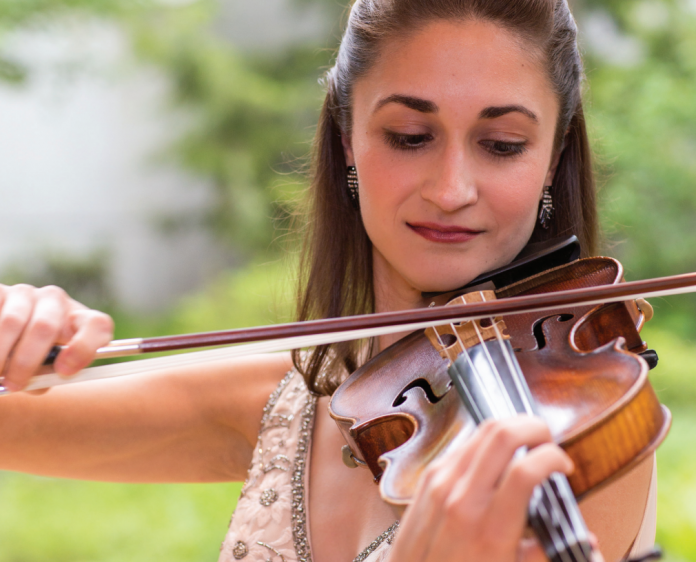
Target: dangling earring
x,y
546,209
353,186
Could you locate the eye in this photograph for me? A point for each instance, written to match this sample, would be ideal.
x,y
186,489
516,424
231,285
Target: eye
x,y
401,141
504,149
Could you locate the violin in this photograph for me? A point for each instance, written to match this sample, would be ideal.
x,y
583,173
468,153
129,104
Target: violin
x,y
572,330
583,368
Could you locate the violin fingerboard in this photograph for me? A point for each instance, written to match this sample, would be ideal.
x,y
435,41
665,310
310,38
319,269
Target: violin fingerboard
x,y
490,382
555,517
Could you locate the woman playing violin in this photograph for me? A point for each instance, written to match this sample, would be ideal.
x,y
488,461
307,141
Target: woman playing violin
x,y
445,124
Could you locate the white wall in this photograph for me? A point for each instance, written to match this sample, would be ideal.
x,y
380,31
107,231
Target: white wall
x,y
80,147
267,25
78,167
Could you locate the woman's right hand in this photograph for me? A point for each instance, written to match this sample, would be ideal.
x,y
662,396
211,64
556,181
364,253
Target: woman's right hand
x,y
172,424
33,320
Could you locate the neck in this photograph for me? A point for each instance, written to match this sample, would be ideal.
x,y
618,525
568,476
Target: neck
x,y
394,293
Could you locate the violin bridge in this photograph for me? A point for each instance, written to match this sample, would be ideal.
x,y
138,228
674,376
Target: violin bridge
x,y
452,339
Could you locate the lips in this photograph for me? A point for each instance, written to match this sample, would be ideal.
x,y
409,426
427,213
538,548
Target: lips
x,y
444,234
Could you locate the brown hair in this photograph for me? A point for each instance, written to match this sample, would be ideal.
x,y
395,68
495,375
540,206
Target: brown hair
x,y
336,261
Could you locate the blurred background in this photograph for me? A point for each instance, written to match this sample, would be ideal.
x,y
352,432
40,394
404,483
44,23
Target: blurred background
x,y
151,156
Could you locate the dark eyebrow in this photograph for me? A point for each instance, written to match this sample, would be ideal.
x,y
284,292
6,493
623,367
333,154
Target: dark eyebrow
x,y
495,112
417,104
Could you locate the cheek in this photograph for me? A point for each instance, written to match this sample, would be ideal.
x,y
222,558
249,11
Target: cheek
x,y
513,195
515,204
511,198
385,186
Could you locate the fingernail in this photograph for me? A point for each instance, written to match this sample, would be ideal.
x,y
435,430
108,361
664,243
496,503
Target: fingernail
x,y
594,542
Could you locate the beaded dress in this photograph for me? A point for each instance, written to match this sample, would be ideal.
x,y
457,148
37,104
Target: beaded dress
x,y
270,522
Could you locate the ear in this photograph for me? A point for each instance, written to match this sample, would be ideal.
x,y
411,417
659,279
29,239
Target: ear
x,y
347,149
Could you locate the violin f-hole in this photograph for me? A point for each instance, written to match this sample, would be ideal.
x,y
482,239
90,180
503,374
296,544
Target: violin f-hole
x,y
538,328
427,389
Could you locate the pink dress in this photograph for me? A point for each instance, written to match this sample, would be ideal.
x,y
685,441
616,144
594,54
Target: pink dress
x,y
270,522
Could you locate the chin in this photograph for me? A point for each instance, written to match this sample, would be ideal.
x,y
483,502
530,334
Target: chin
x,y
443,284
437,278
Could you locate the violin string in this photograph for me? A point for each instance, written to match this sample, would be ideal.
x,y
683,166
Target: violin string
x,y
569,530
569,536
559,540
512,367
490,398
555,538
566,525
512,410
547,518
474,404
497,377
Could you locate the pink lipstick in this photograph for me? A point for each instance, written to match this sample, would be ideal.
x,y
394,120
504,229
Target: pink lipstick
x,y
443,233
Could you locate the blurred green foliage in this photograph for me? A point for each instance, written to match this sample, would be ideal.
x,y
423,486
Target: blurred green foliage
x,y
261,294
84,279
18,14
67,521
253,117
14,13
676,491
250,116
674,380
643,120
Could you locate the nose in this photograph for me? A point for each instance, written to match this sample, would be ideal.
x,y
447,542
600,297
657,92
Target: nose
x,y
452,184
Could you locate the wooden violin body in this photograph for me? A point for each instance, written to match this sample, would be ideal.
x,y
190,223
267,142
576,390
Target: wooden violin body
x,y
399,411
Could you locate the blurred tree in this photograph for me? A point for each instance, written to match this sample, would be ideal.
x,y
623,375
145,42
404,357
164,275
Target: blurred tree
x,y
15,14
84,279
643,121
252,117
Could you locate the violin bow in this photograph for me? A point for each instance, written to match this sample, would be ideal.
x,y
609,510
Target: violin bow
x,y
297,335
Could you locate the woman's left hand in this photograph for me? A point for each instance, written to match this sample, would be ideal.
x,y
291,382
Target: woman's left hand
x,y
471,503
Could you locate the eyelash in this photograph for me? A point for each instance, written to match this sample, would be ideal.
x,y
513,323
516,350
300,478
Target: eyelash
x,y
501,149
406,142
498,149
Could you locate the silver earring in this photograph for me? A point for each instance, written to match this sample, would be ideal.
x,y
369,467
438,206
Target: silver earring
x,y
546,210
353,186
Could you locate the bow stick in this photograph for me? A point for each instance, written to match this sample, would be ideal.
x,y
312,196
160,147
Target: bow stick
x,y
298,335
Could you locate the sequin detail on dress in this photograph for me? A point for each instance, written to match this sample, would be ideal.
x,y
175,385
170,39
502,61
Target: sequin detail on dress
x,y
299,512
270,522
387,536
